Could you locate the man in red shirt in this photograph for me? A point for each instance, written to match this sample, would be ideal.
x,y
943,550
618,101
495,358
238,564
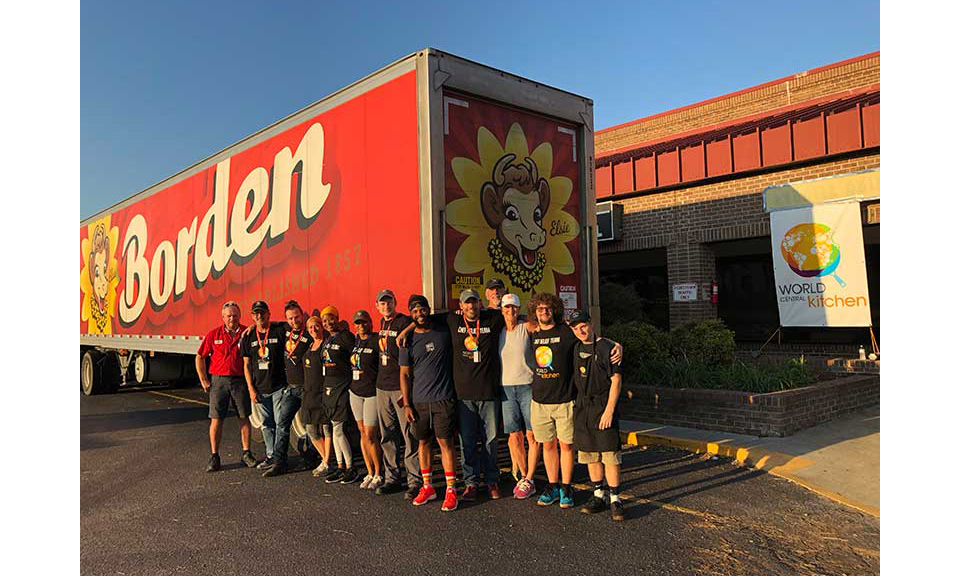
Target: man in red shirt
x,y
227,385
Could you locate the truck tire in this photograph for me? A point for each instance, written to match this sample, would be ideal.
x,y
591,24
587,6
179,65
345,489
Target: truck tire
x,y
99,372
298,431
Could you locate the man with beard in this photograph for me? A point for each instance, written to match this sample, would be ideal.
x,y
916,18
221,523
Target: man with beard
x,y
494,292
222,347
428,400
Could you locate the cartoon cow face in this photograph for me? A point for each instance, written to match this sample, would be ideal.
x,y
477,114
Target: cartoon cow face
x,y
514,204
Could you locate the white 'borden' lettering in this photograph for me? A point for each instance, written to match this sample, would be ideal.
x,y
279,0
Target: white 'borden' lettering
x,y
167,262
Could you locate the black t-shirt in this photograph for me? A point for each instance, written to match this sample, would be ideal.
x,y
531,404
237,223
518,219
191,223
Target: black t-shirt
x,y
553,376
295,343
274,376
388,376
312,370
428,354
594,368
336,357
476,380
365,360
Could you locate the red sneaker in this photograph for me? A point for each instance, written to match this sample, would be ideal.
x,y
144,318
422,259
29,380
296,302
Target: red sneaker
x,y
469,493
450,501
426,494
494,491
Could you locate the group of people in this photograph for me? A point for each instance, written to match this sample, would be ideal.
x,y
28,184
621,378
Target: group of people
x,y
445,377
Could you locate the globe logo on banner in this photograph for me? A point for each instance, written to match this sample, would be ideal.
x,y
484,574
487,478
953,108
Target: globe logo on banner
x,y
809,250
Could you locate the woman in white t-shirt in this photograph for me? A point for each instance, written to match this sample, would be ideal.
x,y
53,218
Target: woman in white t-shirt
x,y
516,358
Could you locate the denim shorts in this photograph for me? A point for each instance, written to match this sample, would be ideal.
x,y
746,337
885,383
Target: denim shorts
x,y
515,401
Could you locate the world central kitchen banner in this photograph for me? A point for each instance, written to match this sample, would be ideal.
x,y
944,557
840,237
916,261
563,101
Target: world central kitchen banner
x,y
819,267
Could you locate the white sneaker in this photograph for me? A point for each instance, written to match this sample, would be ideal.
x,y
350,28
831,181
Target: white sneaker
x,y
366,482
320,470
375,482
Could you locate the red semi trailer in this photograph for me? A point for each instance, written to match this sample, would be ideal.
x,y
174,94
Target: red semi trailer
x,y
429,176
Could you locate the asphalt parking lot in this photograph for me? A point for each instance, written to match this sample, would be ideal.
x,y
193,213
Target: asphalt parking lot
x,y
148,507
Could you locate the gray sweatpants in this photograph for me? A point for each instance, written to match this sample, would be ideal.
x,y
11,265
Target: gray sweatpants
x,y
393,425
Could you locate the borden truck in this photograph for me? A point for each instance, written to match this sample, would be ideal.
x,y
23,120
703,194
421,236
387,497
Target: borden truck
x,y
433,175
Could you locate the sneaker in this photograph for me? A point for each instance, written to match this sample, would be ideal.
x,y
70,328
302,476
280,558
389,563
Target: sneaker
x,y
214,464
365,483
616,511
376,482
412,492
248,459
524,489
594,505
320,470
469,493
388,488
277,469
334,476
349,476
426,494
566,498
266,463
450,500
548,497
494,492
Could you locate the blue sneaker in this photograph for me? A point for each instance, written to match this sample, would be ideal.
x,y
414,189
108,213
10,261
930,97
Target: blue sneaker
x,y
566,498
548,497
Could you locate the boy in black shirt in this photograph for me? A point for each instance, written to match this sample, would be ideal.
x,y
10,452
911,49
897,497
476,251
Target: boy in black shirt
x,y
596,428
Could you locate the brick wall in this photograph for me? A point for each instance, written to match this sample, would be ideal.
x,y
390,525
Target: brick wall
x,y
773,414
849,75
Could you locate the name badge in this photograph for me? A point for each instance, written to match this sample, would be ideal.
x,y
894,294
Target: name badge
x,y
263,364
476,356
324,370
383,359
356,374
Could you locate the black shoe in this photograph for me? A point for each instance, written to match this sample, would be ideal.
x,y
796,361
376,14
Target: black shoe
x,y
616,511
214,464
334,476
277,469
248,459
265,463
594,505
412,492
349,476
389,488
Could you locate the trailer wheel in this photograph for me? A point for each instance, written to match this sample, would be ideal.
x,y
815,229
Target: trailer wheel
x,y
99,373
298,431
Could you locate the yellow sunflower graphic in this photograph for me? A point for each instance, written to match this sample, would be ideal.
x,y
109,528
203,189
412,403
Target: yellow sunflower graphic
x,y
99,277
513,214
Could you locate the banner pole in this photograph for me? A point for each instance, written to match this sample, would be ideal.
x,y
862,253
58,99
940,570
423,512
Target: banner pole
x,y
873,342
760,351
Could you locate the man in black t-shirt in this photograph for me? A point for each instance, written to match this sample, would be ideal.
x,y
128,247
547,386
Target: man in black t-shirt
x,y
494,293
393,426
596,423
428,399
263,349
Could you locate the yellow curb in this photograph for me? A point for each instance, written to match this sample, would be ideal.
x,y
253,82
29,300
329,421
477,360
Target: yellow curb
x,y
776,463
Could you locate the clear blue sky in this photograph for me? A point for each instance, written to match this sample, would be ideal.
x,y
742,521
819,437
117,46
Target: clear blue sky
x,y
165,84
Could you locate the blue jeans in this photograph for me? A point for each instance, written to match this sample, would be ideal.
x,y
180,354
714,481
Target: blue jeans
x,y
516,408
277,411
479,422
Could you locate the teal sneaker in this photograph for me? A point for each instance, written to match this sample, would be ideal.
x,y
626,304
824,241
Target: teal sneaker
x,y
566,498
548,497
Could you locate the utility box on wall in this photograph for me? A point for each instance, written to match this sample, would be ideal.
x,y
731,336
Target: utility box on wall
x,y
609,221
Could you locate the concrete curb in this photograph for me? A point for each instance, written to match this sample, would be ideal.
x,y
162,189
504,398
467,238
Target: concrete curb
x,y
776,463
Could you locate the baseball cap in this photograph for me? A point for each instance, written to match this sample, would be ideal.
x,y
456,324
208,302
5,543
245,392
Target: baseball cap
x,y
416,301
361,316
384,293
468,294
579,317
510,300
260,306
495,283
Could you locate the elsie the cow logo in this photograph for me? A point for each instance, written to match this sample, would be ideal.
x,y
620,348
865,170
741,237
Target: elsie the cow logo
x,y
513,213
99,279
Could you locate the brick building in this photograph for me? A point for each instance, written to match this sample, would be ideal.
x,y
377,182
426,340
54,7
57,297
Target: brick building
x,y
690,182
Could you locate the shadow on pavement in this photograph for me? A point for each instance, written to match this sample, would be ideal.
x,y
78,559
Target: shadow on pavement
x,y
115,421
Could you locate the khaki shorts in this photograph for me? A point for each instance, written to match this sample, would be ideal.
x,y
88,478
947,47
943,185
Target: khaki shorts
x,y
608,458
552,421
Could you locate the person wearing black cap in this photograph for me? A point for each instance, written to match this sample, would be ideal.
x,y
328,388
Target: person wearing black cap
x,y
393,425
263,349
365,362
429,404
596,423
494,292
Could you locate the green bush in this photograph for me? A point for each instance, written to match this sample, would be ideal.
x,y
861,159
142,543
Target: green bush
x,y
641,343
619,303
709,342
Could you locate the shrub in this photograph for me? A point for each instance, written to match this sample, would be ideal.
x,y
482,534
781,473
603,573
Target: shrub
x,y
709,342
619,304
641,343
